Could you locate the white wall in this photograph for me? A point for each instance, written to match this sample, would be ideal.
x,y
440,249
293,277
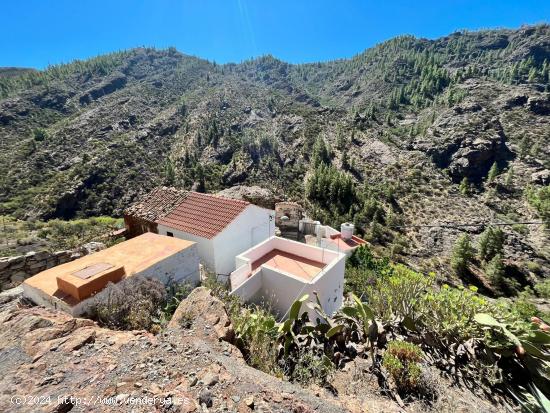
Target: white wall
x,y
218,254
281,289
251,227
182,267
303,250
330,285
293,247
240,275
205,247
249,289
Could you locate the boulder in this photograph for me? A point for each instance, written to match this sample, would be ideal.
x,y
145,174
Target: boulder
x,y
466,143
114,82
204,310
515,101
11,294
539,105
254,194
92,247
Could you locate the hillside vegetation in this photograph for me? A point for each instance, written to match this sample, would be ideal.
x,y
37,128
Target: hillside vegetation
x,y
437,150
408,139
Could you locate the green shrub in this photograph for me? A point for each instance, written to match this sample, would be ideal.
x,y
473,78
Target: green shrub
x,y
493,172
540,200
40,134
71,234
397,295
449,312
491,243
175,294
464,186
131,304
311,367
495,270
522,306
462,254
543,288
533,267
401,361
362,270
256,335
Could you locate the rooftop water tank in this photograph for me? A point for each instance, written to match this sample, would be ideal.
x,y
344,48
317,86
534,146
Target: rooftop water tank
x,y
346,229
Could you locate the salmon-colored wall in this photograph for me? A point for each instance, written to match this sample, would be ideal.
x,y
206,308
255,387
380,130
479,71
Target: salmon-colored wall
x,y
81,289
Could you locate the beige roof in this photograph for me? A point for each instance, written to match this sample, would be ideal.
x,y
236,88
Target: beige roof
x,y
135,255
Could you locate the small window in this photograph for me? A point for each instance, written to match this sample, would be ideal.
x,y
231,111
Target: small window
x,y
170,234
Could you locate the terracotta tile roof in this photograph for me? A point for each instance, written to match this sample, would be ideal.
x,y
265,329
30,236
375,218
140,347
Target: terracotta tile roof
x,y
203,215
156,204
346,245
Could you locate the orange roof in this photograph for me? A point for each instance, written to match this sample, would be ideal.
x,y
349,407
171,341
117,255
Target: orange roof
x,y
301,267
345,245
203,215
133,256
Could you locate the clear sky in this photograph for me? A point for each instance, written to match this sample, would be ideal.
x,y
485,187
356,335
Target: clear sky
x,y
35,33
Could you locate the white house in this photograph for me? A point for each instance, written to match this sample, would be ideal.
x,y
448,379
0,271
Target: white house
x,y
221,227
279,271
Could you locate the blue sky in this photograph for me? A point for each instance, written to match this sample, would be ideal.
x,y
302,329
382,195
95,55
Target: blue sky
x,y
35,33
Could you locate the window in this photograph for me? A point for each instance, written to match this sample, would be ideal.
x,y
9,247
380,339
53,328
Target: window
x,y
170,234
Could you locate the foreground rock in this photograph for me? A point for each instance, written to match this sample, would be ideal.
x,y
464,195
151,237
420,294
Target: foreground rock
x,y
52,362
201,304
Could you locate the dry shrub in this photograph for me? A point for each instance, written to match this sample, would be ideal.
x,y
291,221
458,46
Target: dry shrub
x,y
132,304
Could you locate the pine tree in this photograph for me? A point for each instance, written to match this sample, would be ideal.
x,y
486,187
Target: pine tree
x,y
524,146
200,180
509,177
493,172
491,243
464,186
169,173
462,254
321,153
495,270
340,141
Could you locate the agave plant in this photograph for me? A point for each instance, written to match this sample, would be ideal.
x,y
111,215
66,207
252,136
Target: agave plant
x,y
324,323
532,400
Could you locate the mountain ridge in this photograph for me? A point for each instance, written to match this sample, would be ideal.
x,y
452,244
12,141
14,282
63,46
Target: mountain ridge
x,y
408,120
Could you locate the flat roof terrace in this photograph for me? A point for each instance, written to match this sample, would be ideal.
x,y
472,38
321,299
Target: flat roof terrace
x,y
300,267
124,259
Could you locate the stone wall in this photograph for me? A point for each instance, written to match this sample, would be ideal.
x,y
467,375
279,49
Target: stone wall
x,y
293,213
14,270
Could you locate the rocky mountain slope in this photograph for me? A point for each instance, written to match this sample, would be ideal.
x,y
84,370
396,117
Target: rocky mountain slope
x,y
408,120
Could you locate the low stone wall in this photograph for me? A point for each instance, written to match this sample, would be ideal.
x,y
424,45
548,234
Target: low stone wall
x,y
14,270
